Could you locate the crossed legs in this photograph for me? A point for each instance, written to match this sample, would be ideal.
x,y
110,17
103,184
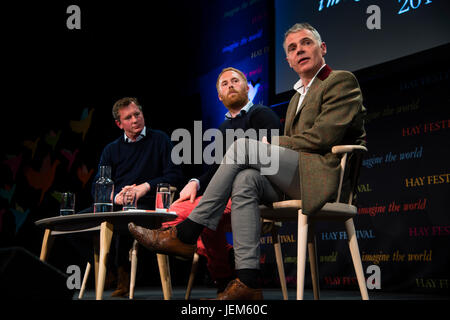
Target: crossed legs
x,y
240,176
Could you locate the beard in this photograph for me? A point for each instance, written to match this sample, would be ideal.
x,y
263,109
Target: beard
x,y
235,102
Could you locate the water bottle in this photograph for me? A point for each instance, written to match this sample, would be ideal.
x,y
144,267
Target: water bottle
x,y
104,191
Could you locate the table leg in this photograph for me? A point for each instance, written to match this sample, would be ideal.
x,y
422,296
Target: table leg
x,y
47,242
106,232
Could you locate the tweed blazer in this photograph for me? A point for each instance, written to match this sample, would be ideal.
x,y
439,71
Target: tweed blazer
x,y
331,114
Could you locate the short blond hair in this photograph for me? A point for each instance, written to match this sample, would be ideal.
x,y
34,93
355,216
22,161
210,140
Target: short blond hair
x,y
230,69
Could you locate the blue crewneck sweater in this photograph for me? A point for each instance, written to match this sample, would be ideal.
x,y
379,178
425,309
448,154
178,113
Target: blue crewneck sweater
x,y
147,160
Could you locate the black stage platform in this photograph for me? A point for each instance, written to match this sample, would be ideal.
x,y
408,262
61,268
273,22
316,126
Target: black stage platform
x,y
155,293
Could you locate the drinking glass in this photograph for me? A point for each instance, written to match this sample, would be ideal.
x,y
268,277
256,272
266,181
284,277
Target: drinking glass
x,y
162,203
129,200
67,206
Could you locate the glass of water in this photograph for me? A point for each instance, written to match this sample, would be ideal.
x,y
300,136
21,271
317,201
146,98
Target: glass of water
x,y
67,204
129,200
162,203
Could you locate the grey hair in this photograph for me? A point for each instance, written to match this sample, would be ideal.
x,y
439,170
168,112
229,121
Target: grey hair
x,y
302,26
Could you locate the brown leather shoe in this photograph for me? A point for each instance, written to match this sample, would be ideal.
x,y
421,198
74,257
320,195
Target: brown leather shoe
x,y
222,283
236,290
163,241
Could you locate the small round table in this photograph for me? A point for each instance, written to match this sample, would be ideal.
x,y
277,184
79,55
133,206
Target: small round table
x,y
105,222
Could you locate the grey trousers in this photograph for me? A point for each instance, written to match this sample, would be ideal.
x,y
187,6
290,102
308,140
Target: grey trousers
x,y
241,177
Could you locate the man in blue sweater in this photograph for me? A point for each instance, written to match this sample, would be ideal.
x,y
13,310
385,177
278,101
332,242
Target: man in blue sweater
x,y
139,160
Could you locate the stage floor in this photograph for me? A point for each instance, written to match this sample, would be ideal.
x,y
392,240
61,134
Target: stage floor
x,y
155,293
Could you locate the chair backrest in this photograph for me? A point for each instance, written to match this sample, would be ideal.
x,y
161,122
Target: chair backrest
x,y
350,167
173,191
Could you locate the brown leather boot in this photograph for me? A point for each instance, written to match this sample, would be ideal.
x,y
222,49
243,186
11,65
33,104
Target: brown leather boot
x,y
123,283
237,290
163,241
110,280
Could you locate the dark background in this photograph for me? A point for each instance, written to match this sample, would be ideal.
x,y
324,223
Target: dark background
x,y
168,56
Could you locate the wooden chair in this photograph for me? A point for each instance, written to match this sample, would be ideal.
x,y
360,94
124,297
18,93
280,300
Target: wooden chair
x,y
194,268
163,265
291,210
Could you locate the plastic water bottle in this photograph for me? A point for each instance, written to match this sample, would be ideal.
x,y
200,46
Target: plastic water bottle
x,y
104,191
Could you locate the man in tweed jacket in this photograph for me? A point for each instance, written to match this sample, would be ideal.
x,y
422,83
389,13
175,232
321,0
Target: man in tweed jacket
x,y
326,111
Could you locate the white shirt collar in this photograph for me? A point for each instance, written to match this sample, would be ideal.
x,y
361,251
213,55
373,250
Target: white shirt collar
x,y
298,86
141,135
245,108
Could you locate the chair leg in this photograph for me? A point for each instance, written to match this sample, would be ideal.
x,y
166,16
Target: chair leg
x,y
86,276
354,250
280,265
134,251
47,242
302,235
96,247
164,272
192,276
106,232
313,261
